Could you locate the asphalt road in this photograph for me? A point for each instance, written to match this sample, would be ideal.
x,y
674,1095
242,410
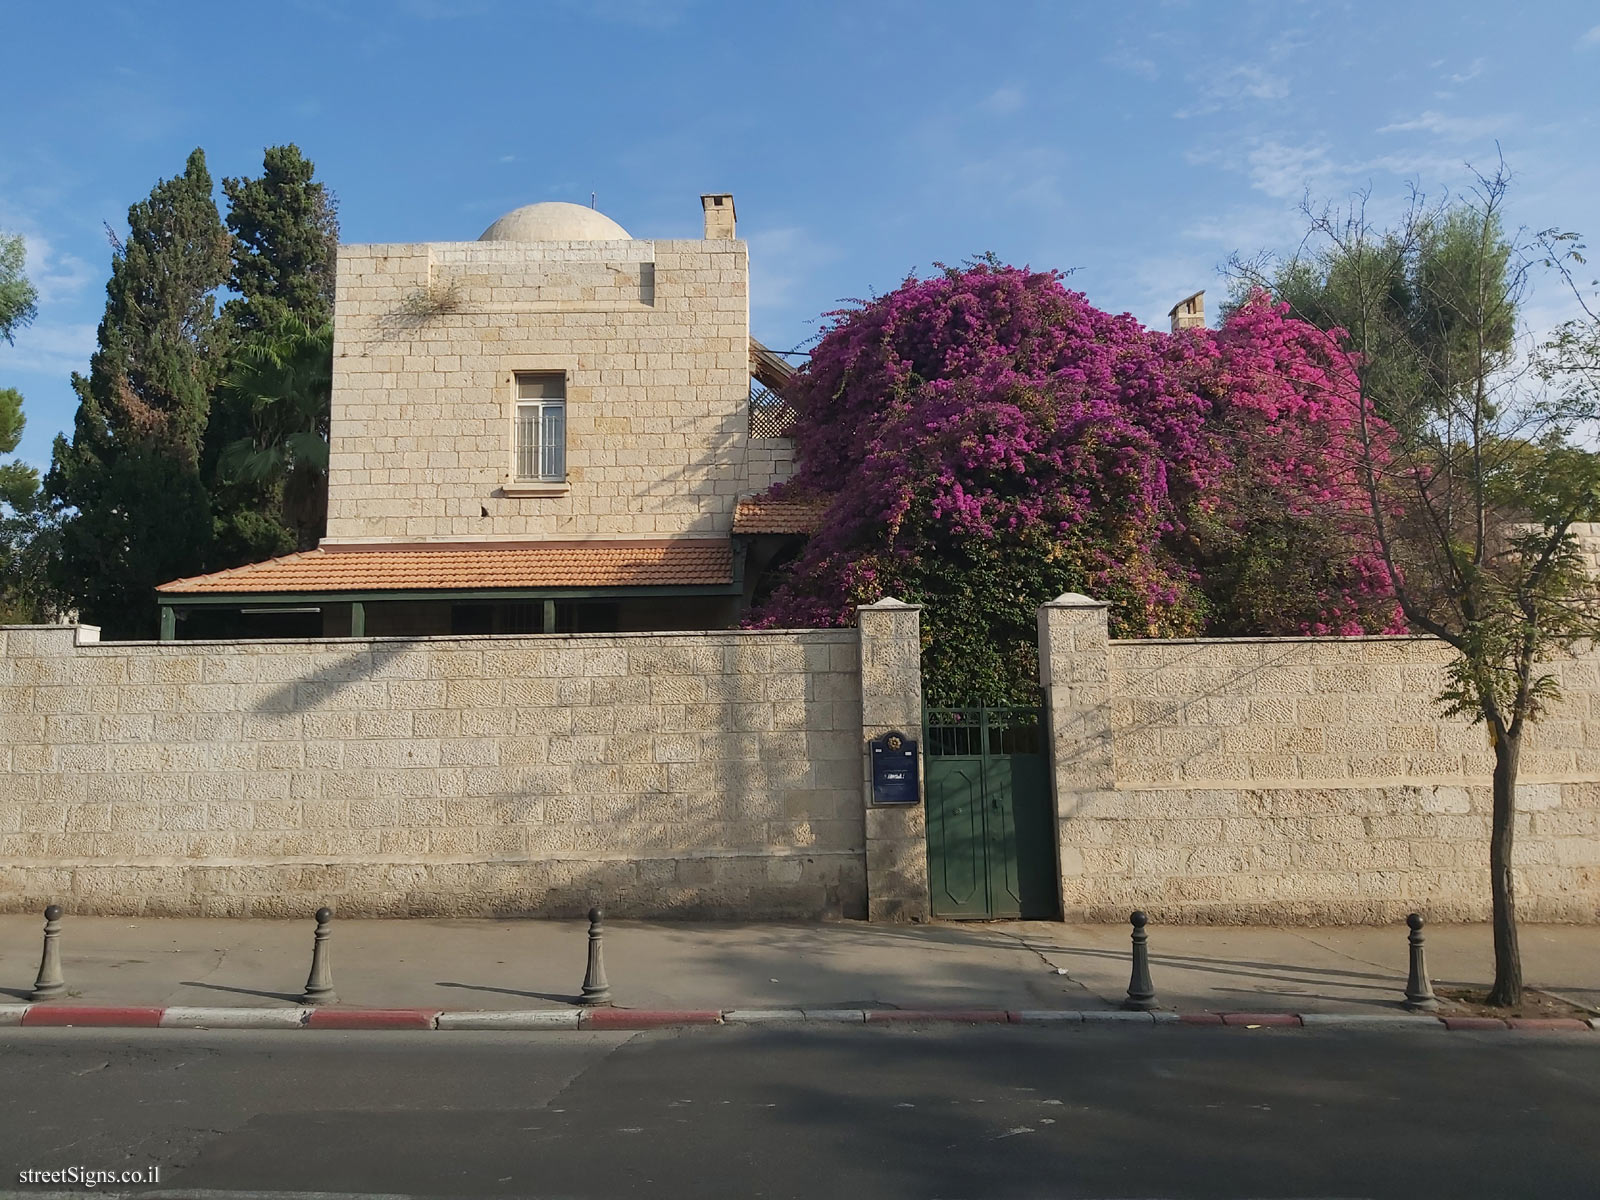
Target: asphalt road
x,y
982,1112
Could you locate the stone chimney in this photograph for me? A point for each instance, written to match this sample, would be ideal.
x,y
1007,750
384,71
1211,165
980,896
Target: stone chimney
x,y
719,216
1189,313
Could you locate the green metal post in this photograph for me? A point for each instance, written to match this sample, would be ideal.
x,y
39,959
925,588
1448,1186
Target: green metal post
x,y
358,619
549,616
169,623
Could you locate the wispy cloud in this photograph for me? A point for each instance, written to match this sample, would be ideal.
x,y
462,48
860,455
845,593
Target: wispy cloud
x,y
1251,83
52,348
1124,59
1003,100
1474,69
57,275
1454,129
1244,227
1590,39
1233,87
1029,176
444,10
1287,172
782,261
640,14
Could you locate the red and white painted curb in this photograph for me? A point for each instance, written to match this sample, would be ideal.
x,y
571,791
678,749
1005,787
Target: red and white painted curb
x,y
176,1017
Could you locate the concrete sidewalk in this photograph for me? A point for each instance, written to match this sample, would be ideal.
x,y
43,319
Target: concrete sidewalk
x,y
530,964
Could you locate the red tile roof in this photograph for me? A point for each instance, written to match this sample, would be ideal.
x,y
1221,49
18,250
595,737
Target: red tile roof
x,y
758,514
683,562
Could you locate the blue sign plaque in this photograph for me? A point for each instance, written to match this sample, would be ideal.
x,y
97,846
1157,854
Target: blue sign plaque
x,y
894,769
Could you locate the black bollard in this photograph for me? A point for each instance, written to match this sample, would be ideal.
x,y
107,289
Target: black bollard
x,y
50,983
596,991
1141,992
1419,988
319,984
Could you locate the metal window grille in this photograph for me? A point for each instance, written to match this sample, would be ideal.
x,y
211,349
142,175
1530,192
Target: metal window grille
x,y
541,428
770,416
527,441
553,440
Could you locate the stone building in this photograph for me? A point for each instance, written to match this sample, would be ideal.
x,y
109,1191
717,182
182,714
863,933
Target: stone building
x,y
549,429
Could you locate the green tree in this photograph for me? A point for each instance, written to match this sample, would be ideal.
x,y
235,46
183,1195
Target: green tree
x,y
285,228
131,471
26,527
27,530
279,390
285,231
1477,481
1385,292
1570,358
18,297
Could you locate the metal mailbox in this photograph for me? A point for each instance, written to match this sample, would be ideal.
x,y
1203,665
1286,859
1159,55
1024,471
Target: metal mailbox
x,y
894,769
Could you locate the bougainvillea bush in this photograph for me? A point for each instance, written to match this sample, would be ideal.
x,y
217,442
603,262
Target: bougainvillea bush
x,y
987,439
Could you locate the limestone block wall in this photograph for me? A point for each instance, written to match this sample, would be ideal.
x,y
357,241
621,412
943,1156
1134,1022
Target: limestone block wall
x,y
1587,535
1304,781
652,336
707,774
891,699
768,461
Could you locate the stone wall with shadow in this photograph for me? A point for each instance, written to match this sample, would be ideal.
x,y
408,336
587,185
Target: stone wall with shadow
x,y
708,774
1302,781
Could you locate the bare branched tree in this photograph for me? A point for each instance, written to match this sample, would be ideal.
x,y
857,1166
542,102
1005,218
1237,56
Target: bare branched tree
x,y
1472,434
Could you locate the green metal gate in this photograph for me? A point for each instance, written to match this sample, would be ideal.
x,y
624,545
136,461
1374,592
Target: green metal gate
x,y
991,841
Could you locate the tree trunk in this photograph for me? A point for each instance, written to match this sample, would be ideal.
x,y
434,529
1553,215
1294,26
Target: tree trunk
x,y
1507,988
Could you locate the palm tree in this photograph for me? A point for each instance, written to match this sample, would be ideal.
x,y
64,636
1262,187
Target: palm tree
x,y
279,387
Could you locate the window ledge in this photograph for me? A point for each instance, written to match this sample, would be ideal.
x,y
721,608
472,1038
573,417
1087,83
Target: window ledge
x,y
532,487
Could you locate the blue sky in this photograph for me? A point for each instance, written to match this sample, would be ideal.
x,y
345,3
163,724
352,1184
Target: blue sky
x,y
1139,144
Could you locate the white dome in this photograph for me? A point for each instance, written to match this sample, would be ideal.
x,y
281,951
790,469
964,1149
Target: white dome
x,y
554,221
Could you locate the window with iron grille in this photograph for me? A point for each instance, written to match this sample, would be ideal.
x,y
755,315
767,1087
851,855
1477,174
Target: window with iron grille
x,y
541,449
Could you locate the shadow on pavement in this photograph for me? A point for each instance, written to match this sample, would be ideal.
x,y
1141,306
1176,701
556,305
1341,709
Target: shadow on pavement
x,y
558,998
291,997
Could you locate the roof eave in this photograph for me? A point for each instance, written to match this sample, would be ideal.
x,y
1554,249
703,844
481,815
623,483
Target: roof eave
x,y
729,588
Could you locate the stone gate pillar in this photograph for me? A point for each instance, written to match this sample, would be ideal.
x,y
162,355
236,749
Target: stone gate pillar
x,y
1074,674
891,698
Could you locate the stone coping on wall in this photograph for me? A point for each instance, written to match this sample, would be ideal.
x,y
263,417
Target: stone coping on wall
x,y
90,635
1324,638
433,860
1294,783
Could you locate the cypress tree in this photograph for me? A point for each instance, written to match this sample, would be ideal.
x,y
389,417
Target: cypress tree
x,y
285,229
132,468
